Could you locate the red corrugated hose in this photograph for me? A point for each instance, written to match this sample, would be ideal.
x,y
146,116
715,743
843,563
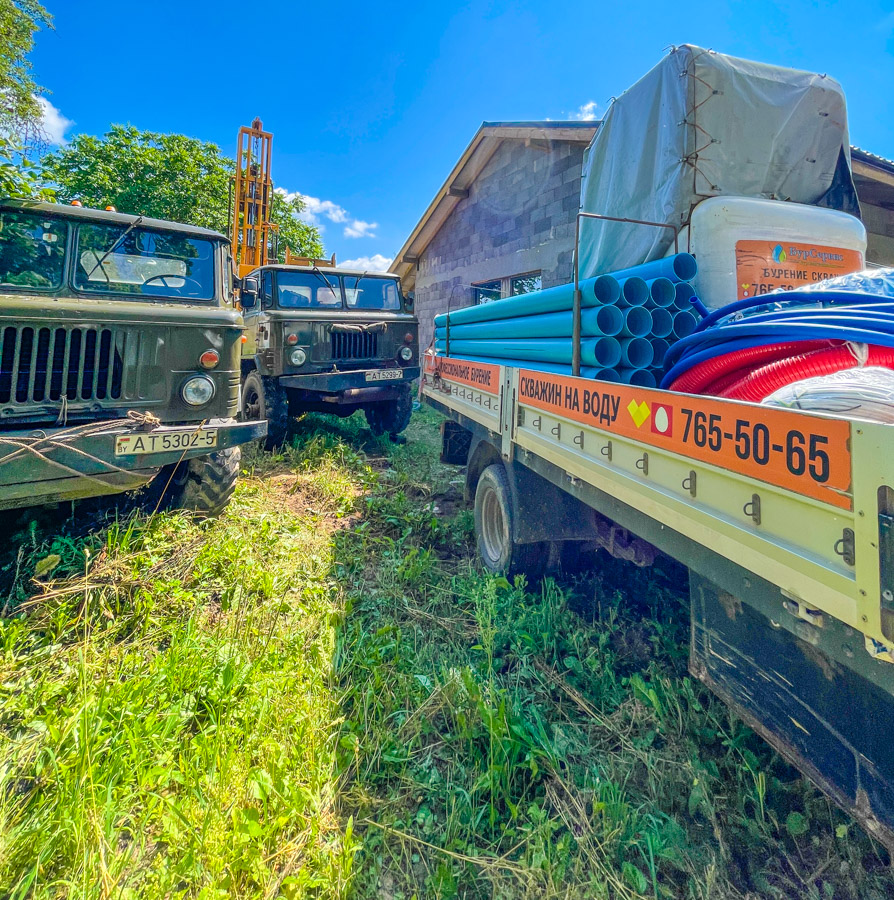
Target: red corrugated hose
x,y
701,378
762,382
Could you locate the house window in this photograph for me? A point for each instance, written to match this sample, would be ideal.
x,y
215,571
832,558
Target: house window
x,y
524,284
486,291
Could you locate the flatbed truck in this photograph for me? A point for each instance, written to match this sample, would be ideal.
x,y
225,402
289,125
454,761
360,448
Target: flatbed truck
x,y
784,520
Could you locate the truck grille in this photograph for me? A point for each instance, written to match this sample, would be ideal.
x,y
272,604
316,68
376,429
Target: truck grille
x,y
39,364
354,345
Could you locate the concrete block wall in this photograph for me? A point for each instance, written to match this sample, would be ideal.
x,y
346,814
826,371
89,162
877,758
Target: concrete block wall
x,y
518,218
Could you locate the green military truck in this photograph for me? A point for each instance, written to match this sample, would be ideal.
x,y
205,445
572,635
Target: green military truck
x,y
119,359
327,339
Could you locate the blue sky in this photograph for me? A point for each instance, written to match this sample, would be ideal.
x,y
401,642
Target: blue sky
x,y
371,104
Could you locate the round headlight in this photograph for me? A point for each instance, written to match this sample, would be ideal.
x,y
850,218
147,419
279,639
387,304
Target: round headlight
x,y
405,353
197,391
298,357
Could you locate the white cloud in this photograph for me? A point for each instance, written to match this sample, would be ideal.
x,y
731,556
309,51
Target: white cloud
x,y
314,209
52,122
358,228
588,112
375,263
317,210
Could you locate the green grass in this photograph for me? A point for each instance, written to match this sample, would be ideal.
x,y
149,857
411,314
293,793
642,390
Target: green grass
x,y
321,695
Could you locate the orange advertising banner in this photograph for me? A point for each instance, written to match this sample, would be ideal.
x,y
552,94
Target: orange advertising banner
x,y
765,266
805,454
483,376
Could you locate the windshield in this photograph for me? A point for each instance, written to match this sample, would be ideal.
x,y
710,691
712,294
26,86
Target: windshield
x,y
371,293
32,250
307,290
143,262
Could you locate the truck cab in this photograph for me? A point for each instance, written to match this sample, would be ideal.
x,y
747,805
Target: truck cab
x,y
326,339
119,359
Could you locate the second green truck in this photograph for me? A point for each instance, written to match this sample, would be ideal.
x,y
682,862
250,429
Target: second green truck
x,y
325,339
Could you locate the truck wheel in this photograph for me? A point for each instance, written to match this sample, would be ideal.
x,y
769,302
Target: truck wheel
x,y
264,398
494,515
202,485
392,416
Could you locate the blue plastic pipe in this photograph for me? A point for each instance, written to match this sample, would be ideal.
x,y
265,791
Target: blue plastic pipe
x,y
606,352
681,267
662,323
637,321
602,352
594,291
662,292
684,324
639,377
659,350
683,291
595,321
636,353
634,292
609,321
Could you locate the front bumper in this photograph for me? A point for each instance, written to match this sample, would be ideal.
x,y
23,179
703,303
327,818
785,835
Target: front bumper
x,y
55,464
355,381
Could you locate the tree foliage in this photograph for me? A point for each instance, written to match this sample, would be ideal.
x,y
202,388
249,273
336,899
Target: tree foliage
x,y
165,176
19,109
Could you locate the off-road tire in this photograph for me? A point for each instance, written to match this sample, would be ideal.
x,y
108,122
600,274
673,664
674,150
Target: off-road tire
x,y
494,520
264,398
392,416
202,485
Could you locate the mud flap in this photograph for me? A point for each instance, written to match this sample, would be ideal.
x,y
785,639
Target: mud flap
x,y
810,689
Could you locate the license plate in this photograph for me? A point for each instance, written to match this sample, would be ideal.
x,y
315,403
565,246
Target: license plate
x,y
384,374
165,442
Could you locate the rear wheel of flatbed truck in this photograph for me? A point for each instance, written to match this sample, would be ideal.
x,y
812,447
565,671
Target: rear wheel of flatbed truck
x,y
494,521
202,485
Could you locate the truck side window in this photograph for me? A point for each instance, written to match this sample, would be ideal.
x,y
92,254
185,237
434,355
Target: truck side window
x,y
267,288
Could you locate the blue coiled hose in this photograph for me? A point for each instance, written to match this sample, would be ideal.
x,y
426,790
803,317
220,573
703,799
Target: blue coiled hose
x,y
858,307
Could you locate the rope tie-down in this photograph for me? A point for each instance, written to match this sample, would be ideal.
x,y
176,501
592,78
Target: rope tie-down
x,y
42,443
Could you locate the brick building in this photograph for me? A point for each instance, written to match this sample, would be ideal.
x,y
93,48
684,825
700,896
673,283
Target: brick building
x,y
503,221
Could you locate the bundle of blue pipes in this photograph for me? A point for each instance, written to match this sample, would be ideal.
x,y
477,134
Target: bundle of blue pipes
x,y
629,319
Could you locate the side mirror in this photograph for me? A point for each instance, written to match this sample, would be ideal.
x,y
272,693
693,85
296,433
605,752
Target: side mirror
x,y
248,295
410,299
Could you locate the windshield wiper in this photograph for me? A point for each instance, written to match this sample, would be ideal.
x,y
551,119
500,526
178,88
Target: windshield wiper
x,y
319,274
118,242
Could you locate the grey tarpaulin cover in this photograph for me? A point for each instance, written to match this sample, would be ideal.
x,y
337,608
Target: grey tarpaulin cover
x,y
701,124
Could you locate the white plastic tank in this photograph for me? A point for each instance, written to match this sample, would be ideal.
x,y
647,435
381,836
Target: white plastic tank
x,y
747,246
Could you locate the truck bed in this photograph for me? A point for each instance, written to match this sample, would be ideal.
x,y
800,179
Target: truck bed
x,y
784,519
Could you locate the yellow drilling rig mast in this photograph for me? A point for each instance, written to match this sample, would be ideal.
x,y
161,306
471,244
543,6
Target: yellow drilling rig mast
x,y
250,227
252,233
